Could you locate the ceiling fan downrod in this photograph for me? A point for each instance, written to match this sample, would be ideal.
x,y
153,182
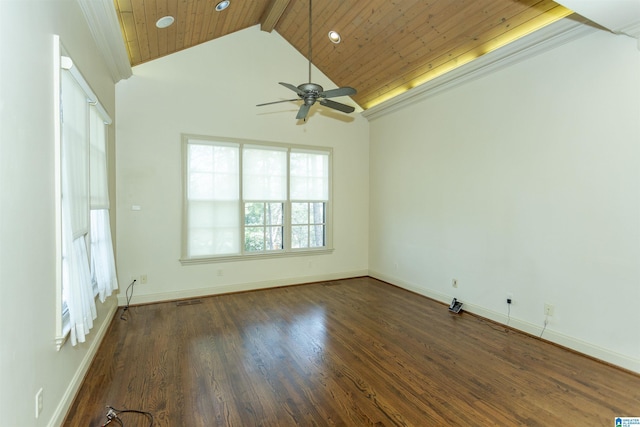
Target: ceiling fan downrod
x,y
311,92
310,32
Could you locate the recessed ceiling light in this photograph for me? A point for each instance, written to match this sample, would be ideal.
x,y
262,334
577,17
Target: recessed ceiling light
x,y
164,22
222,5
334,37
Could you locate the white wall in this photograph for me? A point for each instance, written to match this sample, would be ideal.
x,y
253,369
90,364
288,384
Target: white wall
x,y
28,357
523,182
212,89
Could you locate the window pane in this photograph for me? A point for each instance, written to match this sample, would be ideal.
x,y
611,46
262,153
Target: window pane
x,y
263,238
274,238
213,214
309,176
300,213
274,214
213,241
316,237
264,173
299,236
213,228
75,152
253,213
317,213
213,172
200,158
99,193
253,239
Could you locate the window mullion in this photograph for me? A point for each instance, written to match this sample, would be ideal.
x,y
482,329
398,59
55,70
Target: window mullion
x,y
242,204
286,238
264,225
308,224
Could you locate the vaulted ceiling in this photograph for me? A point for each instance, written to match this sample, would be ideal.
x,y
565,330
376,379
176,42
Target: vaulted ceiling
x,y
387,46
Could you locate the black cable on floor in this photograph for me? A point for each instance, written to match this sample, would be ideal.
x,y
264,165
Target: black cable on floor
x,y
126,307
113,415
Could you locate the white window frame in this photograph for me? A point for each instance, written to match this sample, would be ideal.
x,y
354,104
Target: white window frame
x,y
287,250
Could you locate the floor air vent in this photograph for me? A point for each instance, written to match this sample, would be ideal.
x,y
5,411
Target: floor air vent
x,y
330,283
188,302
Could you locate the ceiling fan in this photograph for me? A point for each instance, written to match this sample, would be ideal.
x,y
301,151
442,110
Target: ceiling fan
x,y
312,92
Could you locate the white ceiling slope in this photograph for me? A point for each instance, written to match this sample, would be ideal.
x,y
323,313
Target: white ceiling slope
x,y
618,16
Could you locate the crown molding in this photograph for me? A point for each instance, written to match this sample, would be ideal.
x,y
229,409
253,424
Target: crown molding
x,y
631,30
105,29
547,38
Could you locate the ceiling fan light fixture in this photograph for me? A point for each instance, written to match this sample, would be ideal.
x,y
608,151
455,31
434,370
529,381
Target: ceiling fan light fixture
x,y
222,5
334,36
165,21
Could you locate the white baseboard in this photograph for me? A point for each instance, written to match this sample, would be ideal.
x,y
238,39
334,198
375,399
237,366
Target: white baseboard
x,y
235,287
550,335
74,385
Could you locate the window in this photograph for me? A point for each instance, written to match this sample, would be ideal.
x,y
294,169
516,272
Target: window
x,y
85,263
309,190
248,198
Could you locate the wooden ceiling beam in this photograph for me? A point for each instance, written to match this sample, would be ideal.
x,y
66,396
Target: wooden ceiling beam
x,y
272,14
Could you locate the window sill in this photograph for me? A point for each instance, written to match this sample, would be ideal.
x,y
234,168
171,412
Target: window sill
x,y
66,329
250,257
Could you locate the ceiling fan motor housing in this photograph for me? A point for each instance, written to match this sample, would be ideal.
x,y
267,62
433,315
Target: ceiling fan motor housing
x,y
311,87
311,91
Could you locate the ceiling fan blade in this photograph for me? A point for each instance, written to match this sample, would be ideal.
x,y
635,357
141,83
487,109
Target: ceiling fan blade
x,y
337,106
341,91
277,102
293,88
303,111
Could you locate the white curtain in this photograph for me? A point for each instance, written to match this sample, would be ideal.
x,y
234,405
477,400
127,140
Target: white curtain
x,y
76,276
78,292
85,210
103,266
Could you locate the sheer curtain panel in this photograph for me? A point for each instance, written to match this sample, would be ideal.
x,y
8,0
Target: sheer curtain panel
x,y
103,266
85,259
76,276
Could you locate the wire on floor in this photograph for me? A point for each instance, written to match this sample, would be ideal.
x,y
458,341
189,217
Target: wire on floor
x,y
546,321
113,415
126,307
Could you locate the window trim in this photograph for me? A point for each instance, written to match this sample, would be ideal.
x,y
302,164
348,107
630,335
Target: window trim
x,y
244,256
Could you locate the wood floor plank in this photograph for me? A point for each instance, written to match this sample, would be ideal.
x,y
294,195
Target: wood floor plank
x,y
355,352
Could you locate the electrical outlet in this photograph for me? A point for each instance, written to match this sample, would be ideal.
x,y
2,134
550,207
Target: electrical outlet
x,y
143,279
509,298
454,283
548,309
39,402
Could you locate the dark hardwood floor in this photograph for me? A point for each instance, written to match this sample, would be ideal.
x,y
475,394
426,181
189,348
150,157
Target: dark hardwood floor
x,y
355,352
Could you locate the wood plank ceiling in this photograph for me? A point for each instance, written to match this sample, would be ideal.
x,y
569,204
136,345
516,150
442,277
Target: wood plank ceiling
x,y
387,47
